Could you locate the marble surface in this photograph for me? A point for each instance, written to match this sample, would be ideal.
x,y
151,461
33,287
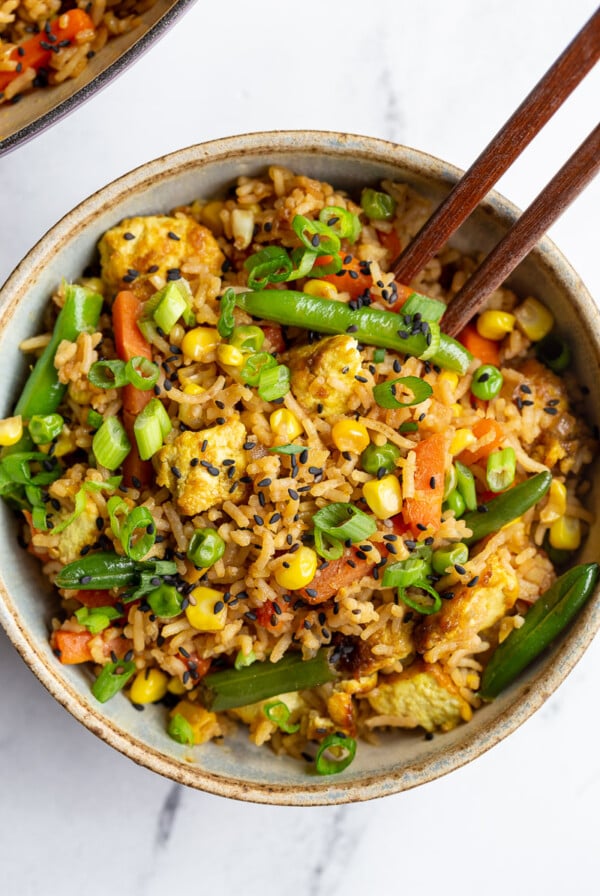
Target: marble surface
x,y
75,816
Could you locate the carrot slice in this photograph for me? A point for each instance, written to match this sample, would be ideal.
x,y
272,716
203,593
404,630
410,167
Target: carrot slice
x,y
425,508
71,647
481,429
337,574
486,350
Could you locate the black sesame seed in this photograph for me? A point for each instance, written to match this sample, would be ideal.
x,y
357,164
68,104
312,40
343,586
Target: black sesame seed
x,y
218,607
473,582
173,236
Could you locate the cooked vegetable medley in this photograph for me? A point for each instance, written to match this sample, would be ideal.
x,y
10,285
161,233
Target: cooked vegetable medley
x,y
270,490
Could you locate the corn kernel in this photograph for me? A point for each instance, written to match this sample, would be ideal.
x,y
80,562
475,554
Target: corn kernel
x,y
176,686
350,435
148,686
211,216
299,571
456,409
565,533
65,443
201,615
383,496
188,412
556,506
285,424
230,355
198,342
204,723
495,324
449,378
534,319
322,289
11,430
461,439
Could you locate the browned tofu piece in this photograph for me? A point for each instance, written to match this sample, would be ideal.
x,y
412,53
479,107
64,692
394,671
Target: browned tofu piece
x,y
422,695
323,374
472,610
201,480
157,242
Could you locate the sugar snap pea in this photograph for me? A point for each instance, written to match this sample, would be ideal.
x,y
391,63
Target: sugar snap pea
x,y
370,326
550,614
106,570
506,507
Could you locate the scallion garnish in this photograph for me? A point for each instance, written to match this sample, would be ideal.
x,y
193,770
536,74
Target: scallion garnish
x,y
247,338
344,223
326,547
385,394
226,322
112,678
96,619
138,533
335,754
315,236
108,374
342,521
150,428
405,573
254,366
554,352
377,205
165,601
44,428
81,500
142,373
244,659
274,382
379,356
501,468
278,712
271,264
94,419
110,444
180,730
421,604
170,306
288,449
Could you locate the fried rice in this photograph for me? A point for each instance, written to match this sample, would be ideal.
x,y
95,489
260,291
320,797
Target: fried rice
x,y
221,469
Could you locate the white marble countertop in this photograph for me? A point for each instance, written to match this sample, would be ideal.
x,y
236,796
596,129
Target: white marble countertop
x,y
77,817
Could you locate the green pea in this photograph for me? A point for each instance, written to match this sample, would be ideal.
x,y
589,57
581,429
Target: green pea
x,y
247,338
165,601
206,547
445,558
376,205
455,502
377,457
487,382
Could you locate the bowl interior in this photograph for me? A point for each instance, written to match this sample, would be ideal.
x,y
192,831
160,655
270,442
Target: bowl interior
x,y
40,108
238,769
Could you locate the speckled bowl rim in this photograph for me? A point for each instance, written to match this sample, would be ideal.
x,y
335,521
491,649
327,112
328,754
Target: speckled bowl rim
x,y
82,94
327,791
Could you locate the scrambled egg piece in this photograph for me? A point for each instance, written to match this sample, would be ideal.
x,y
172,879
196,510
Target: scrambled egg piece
x,y
139,247
201,481
82,531
424,694
323,374
472,610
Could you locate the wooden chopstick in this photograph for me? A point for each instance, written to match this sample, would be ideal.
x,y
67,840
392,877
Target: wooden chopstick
x,y
520,129
572,178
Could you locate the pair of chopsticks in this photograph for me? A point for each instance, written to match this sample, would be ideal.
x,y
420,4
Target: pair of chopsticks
x,y
533,113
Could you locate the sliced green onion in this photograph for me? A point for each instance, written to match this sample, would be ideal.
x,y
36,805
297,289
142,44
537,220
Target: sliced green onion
x,y
335,754
332,267
344,521
96,619
116,506
303,260
205,548
487,382
420,604
81,500
244,659
247,338
377,205
94,419
278,712
270,265
405,572
554,352
409,426
344,223
377,457
44,428
287,449
108,374
501,468
379,356
170,307
430,310
254,366
385,393
455,502
445,559
226,322
110,444
317,237
450,481
180,730
112,679
137,545
465,483
326,547
165,601
274,382
142,373
150,428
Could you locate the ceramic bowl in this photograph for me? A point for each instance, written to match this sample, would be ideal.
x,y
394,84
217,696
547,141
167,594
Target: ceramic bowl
x,y
43,107
237,768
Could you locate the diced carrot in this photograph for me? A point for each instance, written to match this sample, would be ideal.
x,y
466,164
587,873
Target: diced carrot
x,y
351,278
425,508
403,292
274,336
391,242
36,52
485,350
267,617
71,647
337,574
481,429
196,664
98,598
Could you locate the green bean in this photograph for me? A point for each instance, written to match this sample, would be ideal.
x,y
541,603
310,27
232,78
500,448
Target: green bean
x,y
368,325
550,614
220,691
506,507
106,570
